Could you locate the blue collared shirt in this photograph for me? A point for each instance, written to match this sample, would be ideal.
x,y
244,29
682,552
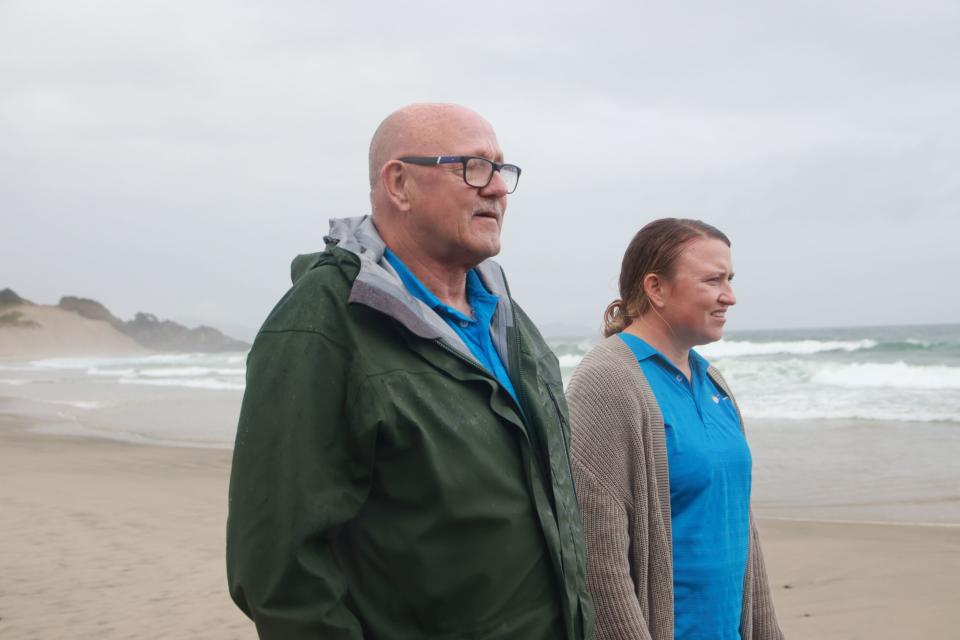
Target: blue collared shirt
x,y
710,476
475,332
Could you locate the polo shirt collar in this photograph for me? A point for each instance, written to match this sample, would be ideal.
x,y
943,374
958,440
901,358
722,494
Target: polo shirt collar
x,y
483,303
643,350
700,361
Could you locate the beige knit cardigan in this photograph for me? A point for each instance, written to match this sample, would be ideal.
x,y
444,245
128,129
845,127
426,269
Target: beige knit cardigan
x,y
619,457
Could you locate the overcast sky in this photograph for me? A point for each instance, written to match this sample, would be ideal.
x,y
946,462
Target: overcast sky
x,y
173,157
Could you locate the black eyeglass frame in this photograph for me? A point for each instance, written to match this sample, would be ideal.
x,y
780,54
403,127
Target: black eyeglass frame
x,y
427,161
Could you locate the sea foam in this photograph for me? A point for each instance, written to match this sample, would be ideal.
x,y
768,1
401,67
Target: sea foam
x,y
897,375
175,372
191,383
741,348
570,361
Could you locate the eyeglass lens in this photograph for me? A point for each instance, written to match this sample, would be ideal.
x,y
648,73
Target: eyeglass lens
x,y
479,172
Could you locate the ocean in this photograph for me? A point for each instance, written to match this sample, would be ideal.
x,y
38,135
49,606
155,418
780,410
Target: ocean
x,y
908,373
902,374
844,424
854,424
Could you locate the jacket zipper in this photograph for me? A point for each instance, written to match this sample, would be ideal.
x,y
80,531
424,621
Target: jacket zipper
x,y
521,397
546,463
566,457
563,436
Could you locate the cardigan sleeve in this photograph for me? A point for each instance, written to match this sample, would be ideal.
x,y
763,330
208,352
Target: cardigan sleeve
x,y
765,626
607,537
603,454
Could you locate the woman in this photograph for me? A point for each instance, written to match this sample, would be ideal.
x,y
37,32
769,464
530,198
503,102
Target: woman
x,y
661,463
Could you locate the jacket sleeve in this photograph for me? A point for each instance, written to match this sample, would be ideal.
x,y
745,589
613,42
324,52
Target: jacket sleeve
x,y
599,455
301,468
765,626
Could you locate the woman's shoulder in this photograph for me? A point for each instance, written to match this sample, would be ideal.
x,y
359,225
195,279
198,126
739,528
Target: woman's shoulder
x,y
609,386
611,410
609,362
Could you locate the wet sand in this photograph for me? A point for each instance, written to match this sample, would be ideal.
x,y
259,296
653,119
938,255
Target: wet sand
x,y
104,539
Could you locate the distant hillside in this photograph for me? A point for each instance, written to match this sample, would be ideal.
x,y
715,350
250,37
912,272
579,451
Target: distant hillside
x,y
167,335
145,330
44,331
154,333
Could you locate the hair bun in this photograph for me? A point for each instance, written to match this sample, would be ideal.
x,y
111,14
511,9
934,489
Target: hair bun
x,y
615,318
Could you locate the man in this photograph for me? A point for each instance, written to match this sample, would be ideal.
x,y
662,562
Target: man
x,y
401,466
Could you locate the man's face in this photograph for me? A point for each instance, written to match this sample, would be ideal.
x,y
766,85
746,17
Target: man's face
x,y
453,222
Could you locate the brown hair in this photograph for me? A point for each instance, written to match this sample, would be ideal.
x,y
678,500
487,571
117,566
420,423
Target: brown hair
x,y
654,249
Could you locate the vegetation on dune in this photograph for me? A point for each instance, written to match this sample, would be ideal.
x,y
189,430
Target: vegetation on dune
x,y
15,319
9,298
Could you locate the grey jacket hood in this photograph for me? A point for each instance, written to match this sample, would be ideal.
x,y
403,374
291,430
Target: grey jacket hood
x,y
379,287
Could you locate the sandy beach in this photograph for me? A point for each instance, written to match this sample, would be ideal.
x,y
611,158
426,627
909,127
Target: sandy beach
x,y
104,539
856,581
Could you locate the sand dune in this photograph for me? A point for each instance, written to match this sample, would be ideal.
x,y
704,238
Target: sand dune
x,y
60,333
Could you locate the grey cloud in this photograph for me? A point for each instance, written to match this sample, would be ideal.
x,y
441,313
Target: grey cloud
x,y
172,158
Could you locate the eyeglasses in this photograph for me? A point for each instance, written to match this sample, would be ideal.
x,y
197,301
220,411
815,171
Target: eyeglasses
x,y
477,172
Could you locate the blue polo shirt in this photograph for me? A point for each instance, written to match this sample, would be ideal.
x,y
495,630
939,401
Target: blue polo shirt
x,y
710,474
475,332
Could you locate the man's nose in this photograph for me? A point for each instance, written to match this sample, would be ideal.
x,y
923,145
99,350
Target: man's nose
x,y
496,188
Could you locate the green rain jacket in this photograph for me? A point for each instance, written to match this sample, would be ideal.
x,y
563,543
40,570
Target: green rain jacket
x,y
384,486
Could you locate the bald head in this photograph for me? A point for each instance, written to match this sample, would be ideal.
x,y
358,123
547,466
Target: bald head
x,y
420,129
430,215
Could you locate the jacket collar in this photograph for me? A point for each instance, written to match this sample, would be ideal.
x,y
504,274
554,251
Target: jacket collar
x,y
379,287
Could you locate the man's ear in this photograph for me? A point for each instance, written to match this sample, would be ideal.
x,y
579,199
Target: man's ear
x,y
396,180
653,286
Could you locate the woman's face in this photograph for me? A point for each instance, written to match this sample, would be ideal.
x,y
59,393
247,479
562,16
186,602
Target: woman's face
x,y
697,297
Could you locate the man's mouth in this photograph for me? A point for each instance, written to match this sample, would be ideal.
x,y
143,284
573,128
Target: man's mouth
x,y
722,314
488,214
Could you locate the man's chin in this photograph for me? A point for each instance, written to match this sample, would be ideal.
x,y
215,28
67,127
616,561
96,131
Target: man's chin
x,y
486,255
486,245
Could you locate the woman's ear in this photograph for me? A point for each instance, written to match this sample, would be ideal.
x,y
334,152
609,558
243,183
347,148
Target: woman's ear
x,y
653,287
